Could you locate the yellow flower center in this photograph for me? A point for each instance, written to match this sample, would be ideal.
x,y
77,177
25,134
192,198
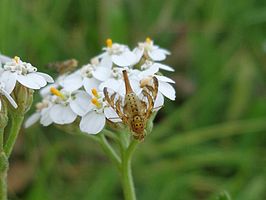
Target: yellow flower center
x,y
56,92
109,42
17,59
96,102
148,40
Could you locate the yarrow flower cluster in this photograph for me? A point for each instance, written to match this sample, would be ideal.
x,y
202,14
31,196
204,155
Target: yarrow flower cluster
x,y
79,96
15,71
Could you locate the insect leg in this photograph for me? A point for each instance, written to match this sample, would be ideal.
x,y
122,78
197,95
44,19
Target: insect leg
x,y
150,103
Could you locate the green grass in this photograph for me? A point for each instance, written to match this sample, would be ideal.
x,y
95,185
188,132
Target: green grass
x,y
210,140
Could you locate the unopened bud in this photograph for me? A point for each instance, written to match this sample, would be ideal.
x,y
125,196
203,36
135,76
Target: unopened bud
x,y
24,97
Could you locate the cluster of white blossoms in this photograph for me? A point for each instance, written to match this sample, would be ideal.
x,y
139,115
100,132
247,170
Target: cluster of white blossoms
x,y
78,96
14,71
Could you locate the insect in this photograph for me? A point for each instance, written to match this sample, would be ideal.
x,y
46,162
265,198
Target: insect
x,y
135,112
64,66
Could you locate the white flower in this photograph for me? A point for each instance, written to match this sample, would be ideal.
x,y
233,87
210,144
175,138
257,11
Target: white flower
x,y
118,54
45,91
151,51
89,76
116,81
94,121
164,86
150,64
42,113
24,73
7,95
67,106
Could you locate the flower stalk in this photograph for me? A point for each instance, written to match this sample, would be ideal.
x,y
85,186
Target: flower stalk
x,y
126,172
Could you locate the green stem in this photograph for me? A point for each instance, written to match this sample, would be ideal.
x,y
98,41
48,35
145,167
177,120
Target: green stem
x,y
12,137
108,149
3,176
126,171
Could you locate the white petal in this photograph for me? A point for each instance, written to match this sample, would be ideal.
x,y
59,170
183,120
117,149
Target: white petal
x,y
46,90
92,123
37,78
106,62
9,79
125,59
48,78
0,104
158,102
72,82
81,104
112,84
62,114
30,82
46,120
139,53
135,86
167,90
164,79
102,73
9,98
166,52
90,83
149,72
32,119
157,54
165,67
111,114
4,59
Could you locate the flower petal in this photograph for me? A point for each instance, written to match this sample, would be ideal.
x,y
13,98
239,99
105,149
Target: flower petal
x,y
31,81
139,53
32,119
111,114
158,102
110,83
72,82
90,83
102,73
48,78
46,120
92,123
157,54
106,62
9,98
46,90
167,90
149,72
165,67
125,59
4,59
164,79
61,114
9,79
81,103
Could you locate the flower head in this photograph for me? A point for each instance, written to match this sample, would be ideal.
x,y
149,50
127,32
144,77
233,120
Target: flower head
x,y
24,73
150,51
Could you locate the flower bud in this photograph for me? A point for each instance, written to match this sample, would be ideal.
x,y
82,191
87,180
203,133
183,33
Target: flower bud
x,y
24,97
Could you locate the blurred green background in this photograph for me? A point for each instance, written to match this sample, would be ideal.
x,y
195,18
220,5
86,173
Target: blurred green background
x,y
211,139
